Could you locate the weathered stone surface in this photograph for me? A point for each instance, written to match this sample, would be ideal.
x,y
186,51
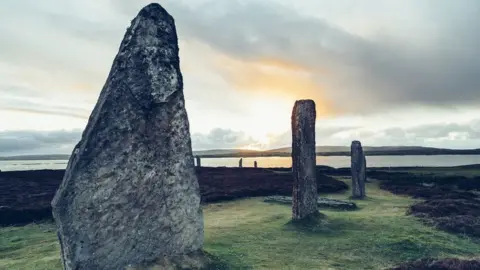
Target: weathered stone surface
x,y
358,168
130,194
240,163
321,202
303,159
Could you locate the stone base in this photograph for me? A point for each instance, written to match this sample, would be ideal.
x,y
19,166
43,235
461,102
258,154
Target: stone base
x,y
199,260
312,222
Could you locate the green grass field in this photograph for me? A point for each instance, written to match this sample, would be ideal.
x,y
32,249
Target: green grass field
x,y
251,234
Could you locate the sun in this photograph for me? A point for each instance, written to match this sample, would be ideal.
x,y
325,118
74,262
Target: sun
x,y
266,116
262,143
251,147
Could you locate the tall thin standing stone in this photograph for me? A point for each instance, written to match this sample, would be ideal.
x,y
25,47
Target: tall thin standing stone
x,y
240,163
358,167
255,165
199,161
130,194
304,160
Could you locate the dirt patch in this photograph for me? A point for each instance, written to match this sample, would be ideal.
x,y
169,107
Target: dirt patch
x,y
439,264
25,196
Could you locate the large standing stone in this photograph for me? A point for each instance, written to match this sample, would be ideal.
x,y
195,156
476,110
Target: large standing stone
x,y
130,193
240,163
304,160
358,162
255,164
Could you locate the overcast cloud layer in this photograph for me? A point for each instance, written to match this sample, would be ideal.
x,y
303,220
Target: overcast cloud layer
x,y
436,64
385,72
434,135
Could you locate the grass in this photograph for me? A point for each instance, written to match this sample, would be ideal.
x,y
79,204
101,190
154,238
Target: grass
x,y
251,234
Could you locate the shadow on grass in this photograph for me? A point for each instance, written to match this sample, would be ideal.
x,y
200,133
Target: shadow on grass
x,y
217,263
223,258
319,223
358,199
198,260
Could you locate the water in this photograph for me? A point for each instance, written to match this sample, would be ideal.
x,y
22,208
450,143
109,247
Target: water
x,y
20,165
344,161
372,161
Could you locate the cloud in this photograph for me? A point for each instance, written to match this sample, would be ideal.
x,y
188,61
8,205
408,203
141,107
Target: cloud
x,y
38,142
24,99
442,135
246,59
446,130
436,66
219,138
47,65
428,59
323,135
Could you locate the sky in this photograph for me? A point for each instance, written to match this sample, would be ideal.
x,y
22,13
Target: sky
x,y
384,72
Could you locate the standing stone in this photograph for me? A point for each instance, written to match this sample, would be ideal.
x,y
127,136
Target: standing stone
x,y
130,194
255,165
199,161
304,160
240,163
358,170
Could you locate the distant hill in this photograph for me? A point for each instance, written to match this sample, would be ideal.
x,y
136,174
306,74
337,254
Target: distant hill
x,y
329,149
345,151
286,151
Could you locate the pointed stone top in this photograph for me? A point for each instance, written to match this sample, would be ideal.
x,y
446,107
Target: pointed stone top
x,y
152,10
153,29
148,52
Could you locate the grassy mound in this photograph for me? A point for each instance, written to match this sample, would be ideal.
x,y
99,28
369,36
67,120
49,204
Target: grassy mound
x,y
251,234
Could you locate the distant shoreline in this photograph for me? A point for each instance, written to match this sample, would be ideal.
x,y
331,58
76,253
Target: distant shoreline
x,y
251,154
326,154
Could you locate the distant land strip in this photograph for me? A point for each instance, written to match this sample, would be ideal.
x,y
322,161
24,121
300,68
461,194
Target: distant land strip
x,y
368,153
271,153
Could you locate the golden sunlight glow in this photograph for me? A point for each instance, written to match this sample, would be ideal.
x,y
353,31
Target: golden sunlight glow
x,y
275,77
252,147
266,115
272,86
